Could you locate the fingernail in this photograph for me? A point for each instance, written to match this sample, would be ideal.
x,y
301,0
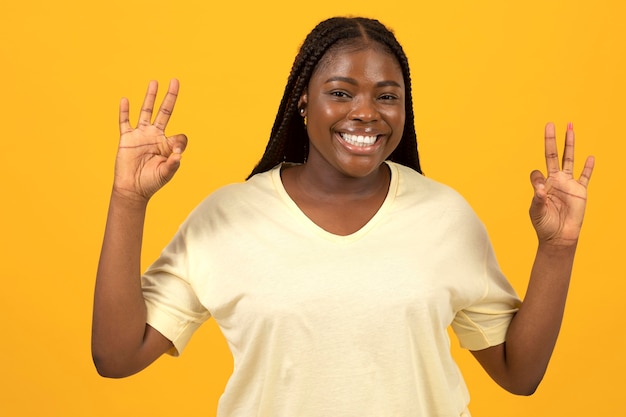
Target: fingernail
x,y
570,126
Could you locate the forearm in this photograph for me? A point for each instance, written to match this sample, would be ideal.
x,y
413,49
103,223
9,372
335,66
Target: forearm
x,y
119,316
534,330
556,211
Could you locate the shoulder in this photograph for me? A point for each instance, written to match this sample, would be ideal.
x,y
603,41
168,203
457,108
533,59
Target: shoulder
x,y
235,194
423,200
416,187
235,200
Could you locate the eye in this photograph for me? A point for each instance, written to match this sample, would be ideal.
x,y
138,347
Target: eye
x,y
388,97
339,94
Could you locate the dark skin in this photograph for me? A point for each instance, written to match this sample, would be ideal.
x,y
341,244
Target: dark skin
x,y
355,112
122,342
341,213
352,92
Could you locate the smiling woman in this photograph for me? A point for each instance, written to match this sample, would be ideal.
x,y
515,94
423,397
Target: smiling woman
x,y
354,103
289,139
336,269
354,95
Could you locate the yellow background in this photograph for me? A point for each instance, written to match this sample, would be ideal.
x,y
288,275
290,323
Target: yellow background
x,y
487,76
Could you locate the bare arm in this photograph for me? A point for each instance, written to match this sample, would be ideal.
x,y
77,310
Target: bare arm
x,y
122,342
557,212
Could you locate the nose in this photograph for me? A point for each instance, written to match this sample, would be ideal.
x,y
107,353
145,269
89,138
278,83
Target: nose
x,y
364,110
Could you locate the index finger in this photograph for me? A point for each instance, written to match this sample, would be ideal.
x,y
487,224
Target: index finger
x,y
124,115
145,115
568,151
552,154
167,106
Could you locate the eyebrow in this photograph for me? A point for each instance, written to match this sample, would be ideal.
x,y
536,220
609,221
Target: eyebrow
x,y
385,83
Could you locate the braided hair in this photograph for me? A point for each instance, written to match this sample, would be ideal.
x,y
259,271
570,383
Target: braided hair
x,y
288,139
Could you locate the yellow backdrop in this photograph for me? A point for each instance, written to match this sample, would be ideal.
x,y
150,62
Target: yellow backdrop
x,y
487,76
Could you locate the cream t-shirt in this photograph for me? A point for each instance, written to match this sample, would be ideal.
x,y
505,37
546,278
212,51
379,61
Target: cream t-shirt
x,y
322,325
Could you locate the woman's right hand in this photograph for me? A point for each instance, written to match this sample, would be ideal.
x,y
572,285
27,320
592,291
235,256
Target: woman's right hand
x,y
146,158
122,341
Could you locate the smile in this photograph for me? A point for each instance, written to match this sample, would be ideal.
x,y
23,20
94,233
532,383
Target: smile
x,y
358,140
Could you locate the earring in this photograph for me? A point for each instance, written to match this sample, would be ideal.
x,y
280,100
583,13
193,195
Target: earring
x,y
302,111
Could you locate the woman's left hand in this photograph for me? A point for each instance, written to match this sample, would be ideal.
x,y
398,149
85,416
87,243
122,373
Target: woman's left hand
x,y
558,206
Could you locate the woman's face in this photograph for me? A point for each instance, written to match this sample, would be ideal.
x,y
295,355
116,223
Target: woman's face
x,y
355,112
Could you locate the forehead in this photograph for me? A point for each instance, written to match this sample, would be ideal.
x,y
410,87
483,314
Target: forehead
x,y
359,56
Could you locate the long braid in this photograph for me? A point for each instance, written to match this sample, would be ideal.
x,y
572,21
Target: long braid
x,y
288,139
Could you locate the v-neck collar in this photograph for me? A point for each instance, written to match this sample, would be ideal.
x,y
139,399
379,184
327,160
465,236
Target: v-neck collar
x,y
311,225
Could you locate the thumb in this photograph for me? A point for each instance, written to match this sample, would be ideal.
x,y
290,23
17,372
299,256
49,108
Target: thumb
x,y
177,144
172,163
538,181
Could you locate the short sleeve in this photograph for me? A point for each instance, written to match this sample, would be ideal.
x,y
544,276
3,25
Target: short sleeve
x,y
173,308
485,323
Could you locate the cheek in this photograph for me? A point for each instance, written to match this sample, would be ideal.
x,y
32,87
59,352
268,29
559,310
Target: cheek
x,y
324,117
398,129
396,118
401,116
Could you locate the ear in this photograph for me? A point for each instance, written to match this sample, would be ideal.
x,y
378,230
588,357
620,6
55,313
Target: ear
x,y
302,103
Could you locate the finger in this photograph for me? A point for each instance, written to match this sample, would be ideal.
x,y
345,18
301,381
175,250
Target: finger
x,y
178,143
167,106
568,152
124,117
172,164
538,181
585,176
145,116
552,154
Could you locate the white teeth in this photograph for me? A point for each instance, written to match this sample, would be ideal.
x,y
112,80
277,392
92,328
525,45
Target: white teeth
x,y
358,140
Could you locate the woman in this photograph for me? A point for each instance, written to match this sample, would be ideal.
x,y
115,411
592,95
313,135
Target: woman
x,y
336,268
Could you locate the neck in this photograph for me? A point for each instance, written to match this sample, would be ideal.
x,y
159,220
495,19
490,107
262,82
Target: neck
x,y
325,183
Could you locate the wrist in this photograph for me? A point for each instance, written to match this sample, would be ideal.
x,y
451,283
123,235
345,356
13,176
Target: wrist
x,y
128,199
564,242
557,249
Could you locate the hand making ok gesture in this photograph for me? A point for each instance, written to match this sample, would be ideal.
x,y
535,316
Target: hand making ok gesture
x,y
558,206
147,159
